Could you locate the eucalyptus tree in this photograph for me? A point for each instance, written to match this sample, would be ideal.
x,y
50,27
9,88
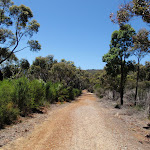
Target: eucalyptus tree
x,y
140,49
10,67
121,41
15,23
69,75
130,9
64,73
24,64
41,67
147,70
87,80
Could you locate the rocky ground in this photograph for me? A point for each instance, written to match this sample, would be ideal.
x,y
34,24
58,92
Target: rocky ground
x,y
88,123
25,125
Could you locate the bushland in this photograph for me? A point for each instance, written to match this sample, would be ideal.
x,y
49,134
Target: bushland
x,y
24,96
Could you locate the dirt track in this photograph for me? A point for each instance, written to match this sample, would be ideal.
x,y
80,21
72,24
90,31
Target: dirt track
x,y
82,125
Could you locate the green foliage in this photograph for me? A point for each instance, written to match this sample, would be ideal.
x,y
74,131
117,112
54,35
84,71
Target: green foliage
x,y
41,67
141,43
22,95
131,82
99,91
52,90
121,41
63,95
71,93
19,18
57,92
76,92
141,8
37,93
34,45
130,9
7,73
29,95
64,73
24,64
93,71
46,81
8,110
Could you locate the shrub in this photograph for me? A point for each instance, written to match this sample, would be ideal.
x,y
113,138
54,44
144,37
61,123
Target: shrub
x,y
61,98
130,84
58,92
37,93
22,95
100,92
52,91
8,111
74,93
63,94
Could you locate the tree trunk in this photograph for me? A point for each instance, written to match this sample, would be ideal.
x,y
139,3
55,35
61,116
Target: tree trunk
x,y
137,81
121,83
121,89
1,76
113,94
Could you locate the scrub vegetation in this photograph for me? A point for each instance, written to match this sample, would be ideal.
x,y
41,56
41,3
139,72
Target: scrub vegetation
x,y
26,88
123,78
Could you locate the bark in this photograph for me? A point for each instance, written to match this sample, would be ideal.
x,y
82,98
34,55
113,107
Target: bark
x,y
137,81
121,83
1,76
113,94
149,111
12,52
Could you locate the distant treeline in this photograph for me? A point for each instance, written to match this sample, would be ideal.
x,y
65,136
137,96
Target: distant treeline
x,y
93,71
24,89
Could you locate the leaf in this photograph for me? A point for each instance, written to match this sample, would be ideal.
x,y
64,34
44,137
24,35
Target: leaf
x,y
34,45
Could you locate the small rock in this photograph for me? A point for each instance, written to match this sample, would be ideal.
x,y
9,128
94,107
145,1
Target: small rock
x,y
141,142
26,130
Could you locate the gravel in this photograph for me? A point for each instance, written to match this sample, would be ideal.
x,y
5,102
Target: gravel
x,y
13,132
85,124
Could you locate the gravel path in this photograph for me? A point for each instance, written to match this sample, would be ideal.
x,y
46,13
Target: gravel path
x,y
82,125
26,125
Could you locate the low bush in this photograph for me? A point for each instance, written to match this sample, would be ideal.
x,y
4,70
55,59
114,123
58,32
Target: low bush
x,y
52,91
8,110
64,94
76,92
37,93
22,95
99,91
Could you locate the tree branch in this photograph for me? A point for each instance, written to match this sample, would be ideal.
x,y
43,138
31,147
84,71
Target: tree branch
x,y
1,61
21,49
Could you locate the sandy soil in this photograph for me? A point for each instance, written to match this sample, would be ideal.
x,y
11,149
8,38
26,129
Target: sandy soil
x,y
84,124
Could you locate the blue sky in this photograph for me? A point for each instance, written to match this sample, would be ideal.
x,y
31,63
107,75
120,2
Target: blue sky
x,y
76,30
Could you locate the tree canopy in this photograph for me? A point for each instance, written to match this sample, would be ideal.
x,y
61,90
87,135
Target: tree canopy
x,y
16,22
121,41
129,10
